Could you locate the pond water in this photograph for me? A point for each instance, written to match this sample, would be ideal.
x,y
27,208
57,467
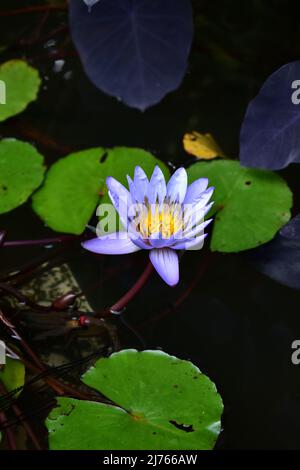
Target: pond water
x,y
235,324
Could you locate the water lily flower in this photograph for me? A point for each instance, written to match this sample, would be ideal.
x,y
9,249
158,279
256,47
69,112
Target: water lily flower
x,y
158,217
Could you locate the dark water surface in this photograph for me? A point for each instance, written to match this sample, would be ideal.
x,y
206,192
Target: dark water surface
x,y
236,324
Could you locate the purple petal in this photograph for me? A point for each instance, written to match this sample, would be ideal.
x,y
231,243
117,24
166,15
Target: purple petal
x,y
157,241
142,244
132,189
157,187
117,189
165,261
177,185
195,231
194,191
120,197
205,197
193,216
117,243
141,183
195,244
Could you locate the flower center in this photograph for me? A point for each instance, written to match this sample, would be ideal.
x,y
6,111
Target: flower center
x,y
163,221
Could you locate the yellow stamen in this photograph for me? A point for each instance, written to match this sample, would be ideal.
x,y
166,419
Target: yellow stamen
x,y
165,220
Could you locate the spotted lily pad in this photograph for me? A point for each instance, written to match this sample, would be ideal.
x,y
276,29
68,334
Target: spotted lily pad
x,y
12,374
71,191
250,205
19,85
75,184
159,402
21,172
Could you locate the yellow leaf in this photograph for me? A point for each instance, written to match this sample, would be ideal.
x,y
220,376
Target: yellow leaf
x,y
202,146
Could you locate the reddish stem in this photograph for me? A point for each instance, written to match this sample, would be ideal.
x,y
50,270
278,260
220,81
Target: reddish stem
x,y
8,432
38,136
42,264
56,384
34,9
26,347
8,289
203,268
40,242
135,289
29,431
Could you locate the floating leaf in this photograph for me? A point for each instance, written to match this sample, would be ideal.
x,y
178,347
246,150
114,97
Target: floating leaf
x,y
292,229
12,374
121,161
135,51
280,258
270,134
71,191
19,85
251,205
74,184
160,402
21,172
202,146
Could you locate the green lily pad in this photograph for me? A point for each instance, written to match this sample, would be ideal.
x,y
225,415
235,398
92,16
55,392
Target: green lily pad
x,y
160,402
21,172
12,374
19,85
71,191
250,205
75,184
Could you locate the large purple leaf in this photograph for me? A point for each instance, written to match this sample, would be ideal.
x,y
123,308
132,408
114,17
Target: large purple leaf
x,y
135,50
90,3
280,258
270,134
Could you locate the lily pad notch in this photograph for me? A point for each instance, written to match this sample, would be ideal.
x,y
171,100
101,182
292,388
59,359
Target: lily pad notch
x,y
158,402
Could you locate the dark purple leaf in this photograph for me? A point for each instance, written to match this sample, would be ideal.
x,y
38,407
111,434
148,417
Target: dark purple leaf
x,y
292,229
135,50
90,3
270,134
280,258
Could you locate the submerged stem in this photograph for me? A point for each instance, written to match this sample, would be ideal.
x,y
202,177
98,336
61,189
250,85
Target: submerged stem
x,y
34,9
43,241
8,432
29,431
207,262
135,289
